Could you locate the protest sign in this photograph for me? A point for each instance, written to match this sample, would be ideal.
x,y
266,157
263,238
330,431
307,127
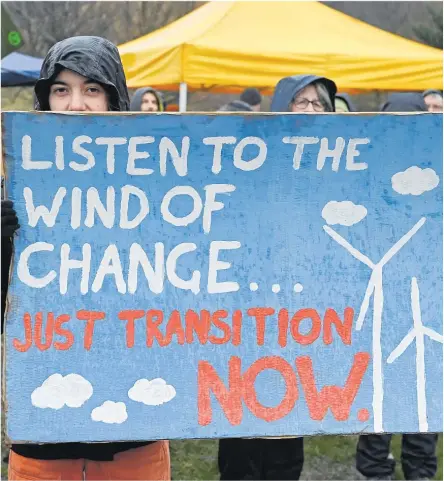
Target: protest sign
x,y
204,276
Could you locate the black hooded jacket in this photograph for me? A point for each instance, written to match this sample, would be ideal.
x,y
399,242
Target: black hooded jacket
x,y
93,57
99,60
404,102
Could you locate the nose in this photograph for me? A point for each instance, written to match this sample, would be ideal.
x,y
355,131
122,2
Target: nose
x,y
77,103
310,108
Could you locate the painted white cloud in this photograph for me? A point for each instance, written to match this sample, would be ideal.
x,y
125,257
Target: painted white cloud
x,y
57,391
152,393
110,412
415,181
343,213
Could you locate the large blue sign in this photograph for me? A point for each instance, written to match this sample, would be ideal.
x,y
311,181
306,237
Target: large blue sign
x,y
202,276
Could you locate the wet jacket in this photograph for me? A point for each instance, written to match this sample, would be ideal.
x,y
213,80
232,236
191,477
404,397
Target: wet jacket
x,y
404,102
99,60
93,57
287,88
136,101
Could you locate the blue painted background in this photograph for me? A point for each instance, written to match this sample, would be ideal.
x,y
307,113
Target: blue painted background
x,y
275,213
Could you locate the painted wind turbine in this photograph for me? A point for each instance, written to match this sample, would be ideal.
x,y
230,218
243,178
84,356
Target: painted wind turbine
x,y
375,289
417,334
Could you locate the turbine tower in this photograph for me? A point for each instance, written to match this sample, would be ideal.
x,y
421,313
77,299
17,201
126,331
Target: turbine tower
x,y
375,289
418,332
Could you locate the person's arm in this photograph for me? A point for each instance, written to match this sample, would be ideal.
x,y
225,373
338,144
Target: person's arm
x,y
9,226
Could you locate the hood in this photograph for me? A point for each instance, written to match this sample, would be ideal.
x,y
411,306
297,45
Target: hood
x,y
136,101
404,102
92,57
432,92
347,99
288,87
236,106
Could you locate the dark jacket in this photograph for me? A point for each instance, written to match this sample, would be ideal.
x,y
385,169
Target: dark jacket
x,y
236,106
93,57
288,87
6,263
136,101
404,102
99,60
347,99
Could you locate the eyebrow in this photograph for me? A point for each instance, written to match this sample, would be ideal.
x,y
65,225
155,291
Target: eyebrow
x,y
87,82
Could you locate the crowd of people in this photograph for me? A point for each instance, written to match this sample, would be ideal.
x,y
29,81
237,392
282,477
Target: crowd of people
x,y
85,74
309,93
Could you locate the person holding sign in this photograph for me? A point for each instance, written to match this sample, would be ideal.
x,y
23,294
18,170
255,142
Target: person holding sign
x,y
418,451
278,458
82,74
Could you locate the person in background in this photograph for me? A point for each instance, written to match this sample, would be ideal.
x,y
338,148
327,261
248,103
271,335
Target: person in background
x,y
277,458
147,100
304,93
252,97
404,102
344,103
433,100
418,455
81,74
236,106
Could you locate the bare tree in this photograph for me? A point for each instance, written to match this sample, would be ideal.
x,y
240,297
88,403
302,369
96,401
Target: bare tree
x,y
400,18
431,32
45,23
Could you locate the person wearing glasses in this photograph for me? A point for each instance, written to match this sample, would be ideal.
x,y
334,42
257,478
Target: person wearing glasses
x,y
303,94
277,458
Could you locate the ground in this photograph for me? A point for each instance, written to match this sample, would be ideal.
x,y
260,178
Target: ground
x,y
327,457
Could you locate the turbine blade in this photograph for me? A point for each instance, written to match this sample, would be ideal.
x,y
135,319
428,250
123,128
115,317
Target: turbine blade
x,y
402,346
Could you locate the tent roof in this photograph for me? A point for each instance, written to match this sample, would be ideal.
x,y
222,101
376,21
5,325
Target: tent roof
x,y
227,46
20,69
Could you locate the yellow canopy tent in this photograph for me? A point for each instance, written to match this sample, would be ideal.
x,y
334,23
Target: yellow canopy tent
x,y
227,46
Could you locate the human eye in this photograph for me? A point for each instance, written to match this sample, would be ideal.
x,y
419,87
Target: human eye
x,y
95,89
59,89
301,102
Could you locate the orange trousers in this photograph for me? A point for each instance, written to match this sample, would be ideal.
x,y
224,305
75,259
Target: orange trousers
x,y
147,463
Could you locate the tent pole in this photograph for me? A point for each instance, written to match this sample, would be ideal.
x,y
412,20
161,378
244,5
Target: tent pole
x,y
183,97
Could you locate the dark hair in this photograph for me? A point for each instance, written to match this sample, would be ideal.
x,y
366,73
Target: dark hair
x,y
251,96
432,92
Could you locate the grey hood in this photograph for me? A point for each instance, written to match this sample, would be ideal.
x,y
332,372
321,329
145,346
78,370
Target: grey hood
x,y
93,57
136,101
288,87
